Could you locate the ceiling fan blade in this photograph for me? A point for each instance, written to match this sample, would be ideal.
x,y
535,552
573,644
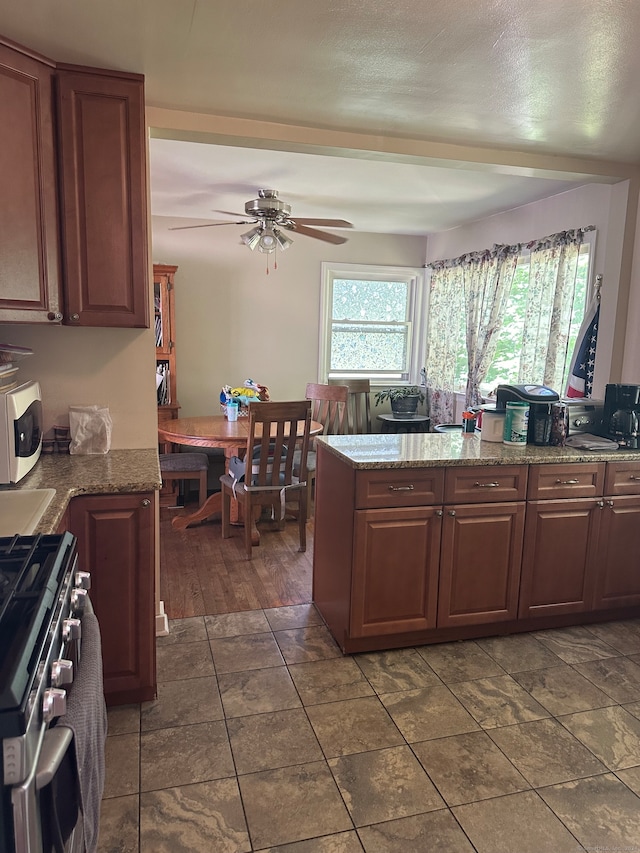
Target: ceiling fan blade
x,y
211,225
229,213
313,232
330,223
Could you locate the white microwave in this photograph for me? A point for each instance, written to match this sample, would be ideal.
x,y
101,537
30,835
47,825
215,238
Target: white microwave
x,y
20,431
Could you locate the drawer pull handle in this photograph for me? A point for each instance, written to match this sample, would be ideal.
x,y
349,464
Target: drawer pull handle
x,y
567,482
633,477
401,488
486,485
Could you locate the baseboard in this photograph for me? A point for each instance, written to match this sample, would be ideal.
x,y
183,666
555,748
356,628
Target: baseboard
x,y
162,622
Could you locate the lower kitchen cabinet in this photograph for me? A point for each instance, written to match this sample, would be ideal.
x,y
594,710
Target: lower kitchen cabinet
x,y
618,556
404,556
395,570
480,563
116,544
559,562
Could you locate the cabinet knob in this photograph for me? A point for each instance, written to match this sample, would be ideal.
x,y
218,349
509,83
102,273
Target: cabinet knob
x,y
145,502
452,512
75,317
54,316
600,504
609,503
439,513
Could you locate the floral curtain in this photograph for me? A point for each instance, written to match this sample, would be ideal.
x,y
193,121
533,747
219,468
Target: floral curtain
x,y
467,298
552,280
487,282
446,330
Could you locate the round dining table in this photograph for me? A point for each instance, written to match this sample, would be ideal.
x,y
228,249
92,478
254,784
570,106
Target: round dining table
x,y
213,431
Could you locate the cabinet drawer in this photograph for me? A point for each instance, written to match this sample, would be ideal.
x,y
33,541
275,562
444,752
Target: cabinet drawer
x,y
485,484
622,478
572,480
399,487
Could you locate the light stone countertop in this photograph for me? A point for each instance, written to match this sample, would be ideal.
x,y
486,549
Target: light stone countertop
x,y
426,450
115,472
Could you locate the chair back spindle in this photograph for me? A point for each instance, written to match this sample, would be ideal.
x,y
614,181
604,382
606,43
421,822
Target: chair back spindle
x,y
358,405
329,407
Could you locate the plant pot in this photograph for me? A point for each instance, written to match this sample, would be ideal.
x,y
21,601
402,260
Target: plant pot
x,y
405,407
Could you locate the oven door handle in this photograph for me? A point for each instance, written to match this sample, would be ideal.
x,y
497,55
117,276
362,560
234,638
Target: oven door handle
x,y
54,747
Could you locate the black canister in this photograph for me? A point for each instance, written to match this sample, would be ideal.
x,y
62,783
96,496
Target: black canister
x,y
542,422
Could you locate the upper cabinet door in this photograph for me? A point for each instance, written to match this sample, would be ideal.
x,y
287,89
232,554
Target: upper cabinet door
x,y
103,189
29,269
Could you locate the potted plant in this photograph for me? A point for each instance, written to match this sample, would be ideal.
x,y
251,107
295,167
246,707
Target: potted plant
x,y
404,399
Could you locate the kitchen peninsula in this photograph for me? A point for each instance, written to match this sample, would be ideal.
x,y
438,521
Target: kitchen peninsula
x,y
423,538
109,502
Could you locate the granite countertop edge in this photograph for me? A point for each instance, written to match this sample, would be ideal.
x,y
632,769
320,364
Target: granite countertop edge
x,y
115,472
426,450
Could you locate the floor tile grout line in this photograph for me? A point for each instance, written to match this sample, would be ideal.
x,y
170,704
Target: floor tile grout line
x,y
606,771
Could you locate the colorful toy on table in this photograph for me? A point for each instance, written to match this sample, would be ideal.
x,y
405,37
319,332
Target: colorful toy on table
x,y
250,392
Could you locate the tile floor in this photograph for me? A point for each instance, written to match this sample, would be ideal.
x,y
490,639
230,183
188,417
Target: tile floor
x,y
264,737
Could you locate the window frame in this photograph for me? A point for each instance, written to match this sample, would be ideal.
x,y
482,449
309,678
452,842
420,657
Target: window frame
x,y
418,295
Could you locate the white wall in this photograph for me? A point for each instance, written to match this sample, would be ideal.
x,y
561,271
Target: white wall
x,y
234,322
86,366
595,204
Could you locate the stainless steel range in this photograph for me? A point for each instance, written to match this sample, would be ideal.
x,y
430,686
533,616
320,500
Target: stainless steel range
x,y
42,600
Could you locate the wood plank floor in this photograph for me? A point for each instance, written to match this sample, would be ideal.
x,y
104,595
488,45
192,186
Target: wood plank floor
x,y
203,575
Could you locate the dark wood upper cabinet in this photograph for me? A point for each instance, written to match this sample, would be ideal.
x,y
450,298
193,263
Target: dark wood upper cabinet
x,y
103,193
29,273
73,221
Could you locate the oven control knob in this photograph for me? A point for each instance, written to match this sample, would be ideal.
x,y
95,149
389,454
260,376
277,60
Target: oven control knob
x,y
78,600
83,580
54,703
61,672
71,629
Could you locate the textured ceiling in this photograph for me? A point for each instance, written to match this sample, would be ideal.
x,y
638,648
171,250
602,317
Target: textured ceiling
x,y
542,77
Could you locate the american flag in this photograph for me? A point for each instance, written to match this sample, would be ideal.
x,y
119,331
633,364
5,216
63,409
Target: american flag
x,y
580,382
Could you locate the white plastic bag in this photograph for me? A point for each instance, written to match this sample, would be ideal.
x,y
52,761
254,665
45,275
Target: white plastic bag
x,y
90,428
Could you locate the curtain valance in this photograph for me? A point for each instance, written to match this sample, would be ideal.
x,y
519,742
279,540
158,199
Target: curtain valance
x,y
499,251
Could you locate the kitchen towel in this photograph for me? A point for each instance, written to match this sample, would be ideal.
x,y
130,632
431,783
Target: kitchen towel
x,y
587,441
86,716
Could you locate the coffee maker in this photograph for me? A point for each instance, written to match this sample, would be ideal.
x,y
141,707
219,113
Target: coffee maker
x,y
540,398
622,414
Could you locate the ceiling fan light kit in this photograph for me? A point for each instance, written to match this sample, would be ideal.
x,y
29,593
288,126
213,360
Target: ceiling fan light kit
x,y
267,212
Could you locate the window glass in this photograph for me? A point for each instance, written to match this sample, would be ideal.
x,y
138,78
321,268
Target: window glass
x,y
355,299
370,318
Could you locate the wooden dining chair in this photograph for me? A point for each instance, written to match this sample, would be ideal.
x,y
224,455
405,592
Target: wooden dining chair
x,y
358,405
278,434
328,407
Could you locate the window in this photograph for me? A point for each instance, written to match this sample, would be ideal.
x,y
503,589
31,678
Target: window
x,y
504,367
372,322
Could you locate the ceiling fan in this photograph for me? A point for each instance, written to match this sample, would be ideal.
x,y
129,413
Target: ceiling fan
x,y
269,215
